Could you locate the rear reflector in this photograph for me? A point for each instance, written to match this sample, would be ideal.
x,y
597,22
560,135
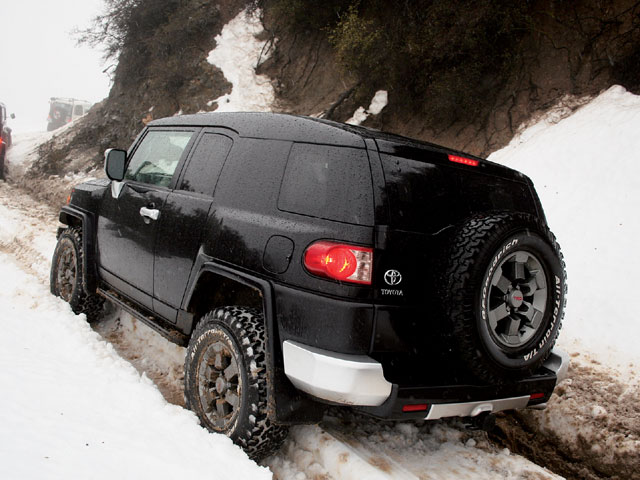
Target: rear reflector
x,y
338,261
536,396
415,408
464,161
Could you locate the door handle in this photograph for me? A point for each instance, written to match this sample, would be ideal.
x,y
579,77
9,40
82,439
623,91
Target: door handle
x,y
150,213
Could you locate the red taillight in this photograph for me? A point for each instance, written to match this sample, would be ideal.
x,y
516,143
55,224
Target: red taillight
x,y
338,261
415,408
464,161
536,396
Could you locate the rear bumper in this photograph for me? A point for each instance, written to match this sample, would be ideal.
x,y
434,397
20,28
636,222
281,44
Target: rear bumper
x,y
358,380
335,377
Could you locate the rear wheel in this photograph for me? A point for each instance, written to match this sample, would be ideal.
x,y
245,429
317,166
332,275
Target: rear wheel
x,y
504,295
226,379
67,276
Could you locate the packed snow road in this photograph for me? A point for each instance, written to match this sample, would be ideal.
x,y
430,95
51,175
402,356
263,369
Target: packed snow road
x,y
71,404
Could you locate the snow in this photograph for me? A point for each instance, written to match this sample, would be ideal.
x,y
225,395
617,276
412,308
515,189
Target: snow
x,y
586,169
237,54
360,449
378,102
24,150
72,408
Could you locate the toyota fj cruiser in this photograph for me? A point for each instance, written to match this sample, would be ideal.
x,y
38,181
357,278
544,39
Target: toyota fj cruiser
x,y
307,263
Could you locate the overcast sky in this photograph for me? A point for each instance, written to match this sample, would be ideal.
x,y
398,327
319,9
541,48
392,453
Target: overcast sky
x,y
39,59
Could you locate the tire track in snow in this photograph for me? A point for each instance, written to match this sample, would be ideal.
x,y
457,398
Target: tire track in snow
x,y
28,231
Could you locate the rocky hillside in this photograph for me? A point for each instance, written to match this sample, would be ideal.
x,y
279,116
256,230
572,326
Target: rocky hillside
x,y
460,73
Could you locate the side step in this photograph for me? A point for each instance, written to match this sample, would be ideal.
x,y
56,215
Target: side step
x,y
145,316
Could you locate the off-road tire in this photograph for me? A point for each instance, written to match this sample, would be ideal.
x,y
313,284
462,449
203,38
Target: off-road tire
x,y
241,333
478,254
67,276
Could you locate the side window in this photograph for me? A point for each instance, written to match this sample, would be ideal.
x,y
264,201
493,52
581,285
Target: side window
x,y
206,163
333,183
156,158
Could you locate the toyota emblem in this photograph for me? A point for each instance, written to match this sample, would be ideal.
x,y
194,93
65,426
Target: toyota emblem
x,y
392,277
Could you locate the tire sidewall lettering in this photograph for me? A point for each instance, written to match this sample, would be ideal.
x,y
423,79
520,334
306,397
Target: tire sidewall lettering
x,y
542,341
218,332
558,289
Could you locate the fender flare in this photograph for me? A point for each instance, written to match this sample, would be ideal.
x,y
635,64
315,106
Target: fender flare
x,y
72,216
205,264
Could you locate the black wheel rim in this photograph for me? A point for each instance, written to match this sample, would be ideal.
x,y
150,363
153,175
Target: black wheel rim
x,y
67,272
220,384
517,299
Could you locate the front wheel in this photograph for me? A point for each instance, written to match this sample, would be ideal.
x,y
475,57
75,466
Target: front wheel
x,y
226,379
67,275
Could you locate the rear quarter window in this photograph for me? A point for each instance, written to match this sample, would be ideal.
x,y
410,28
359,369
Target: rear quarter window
x,y
201,174
333,183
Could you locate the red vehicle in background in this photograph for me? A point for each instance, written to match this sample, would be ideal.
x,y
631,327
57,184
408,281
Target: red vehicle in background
x,y
5,136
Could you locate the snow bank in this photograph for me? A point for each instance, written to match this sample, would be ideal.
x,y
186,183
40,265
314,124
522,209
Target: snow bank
x,y
72,408
24,151
378,102
237,54
586,169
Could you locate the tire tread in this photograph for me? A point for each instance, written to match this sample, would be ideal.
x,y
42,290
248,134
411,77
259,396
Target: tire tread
x,y
464,251
261,437
90,304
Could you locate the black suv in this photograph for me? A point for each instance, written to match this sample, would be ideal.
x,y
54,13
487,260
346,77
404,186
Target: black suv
x,y
308,263
5,137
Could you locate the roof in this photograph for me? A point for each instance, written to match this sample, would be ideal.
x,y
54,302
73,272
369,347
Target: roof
x,y
275,126
298,128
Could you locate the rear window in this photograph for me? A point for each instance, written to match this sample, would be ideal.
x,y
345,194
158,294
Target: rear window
x,y
418,192
333,183
426,197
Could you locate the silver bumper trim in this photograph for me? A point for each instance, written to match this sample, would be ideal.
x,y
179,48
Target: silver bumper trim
x,y
472,409
558,362
336,377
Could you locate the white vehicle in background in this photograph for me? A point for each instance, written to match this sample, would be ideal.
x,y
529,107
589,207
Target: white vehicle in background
x,y
65,110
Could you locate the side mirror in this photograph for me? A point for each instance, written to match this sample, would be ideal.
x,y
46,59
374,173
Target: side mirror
x,y
114,163
13,116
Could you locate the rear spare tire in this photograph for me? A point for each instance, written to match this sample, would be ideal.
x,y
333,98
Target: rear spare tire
x,y
504,294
